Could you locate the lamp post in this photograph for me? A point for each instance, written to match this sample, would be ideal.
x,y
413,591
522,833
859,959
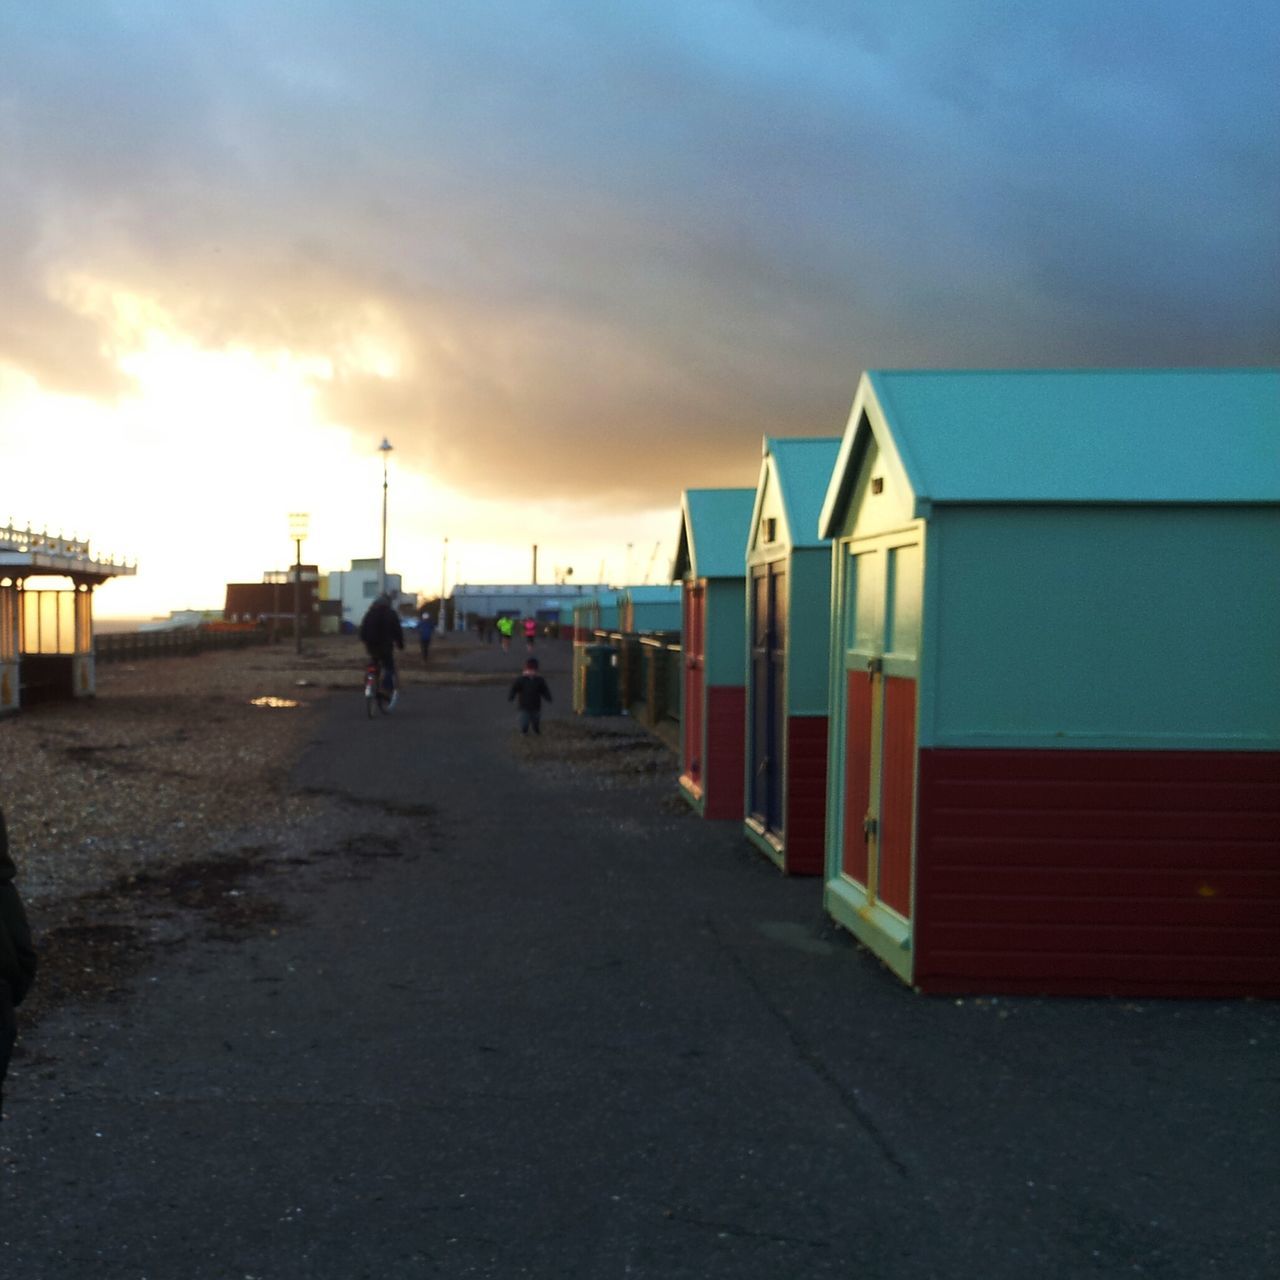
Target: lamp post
x,y
297,531
384,448
444,569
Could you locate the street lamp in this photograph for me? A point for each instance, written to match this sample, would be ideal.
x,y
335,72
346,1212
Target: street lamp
x,y
444,569
384,448
297,531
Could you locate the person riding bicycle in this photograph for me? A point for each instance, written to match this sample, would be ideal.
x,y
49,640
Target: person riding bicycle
x,y
381,633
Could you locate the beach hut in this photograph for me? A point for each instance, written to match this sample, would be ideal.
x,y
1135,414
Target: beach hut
x,y
788,600
1055,680
710,565
645,609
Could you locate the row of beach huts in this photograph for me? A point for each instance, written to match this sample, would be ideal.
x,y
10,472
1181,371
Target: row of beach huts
x,y
1000,668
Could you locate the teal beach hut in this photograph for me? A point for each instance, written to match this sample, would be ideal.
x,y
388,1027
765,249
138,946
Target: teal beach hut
x,y
645,609
710,565
1055,680
788,600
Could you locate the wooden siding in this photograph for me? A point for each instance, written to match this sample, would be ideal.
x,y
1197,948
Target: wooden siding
x,y
897,794
806,821
723,777
1098,872
857,775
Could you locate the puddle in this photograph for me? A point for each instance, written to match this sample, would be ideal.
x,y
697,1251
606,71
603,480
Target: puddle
x,y
273,702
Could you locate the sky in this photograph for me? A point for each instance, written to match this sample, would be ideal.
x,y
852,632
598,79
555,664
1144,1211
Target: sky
x,y
570,257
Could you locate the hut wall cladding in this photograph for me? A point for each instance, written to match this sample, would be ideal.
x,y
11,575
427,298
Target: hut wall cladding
x,y
806,817
1152,872
726,762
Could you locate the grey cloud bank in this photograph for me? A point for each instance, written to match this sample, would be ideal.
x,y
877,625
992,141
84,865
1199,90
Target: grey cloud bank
x,y
670,227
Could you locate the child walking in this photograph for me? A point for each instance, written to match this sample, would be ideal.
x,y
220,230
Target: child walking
x,y
528,691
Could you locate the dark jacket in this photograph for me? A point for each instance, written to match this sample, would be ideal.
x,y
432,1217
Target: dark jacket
x,y
17,955
530,691
381,628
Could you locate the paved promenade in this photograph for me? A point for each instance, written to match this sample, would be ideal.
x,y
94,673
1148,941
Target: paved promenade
x,y
541,1021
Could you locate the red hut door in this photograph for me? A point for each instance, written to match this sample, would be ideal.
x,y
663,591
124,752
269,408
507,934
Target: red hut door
x,y
693,710
882,586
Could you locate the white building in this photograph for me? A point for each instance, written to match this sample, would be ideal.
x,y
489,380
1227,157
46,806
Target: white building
x,y
357,588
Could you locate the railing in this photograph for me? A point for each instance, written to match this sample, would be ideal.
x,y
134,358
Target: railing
x,y
125,646
26,541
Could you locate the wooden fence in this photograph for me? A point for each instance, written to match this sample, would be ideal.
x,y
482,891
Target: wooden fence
x,y
125,646
650,678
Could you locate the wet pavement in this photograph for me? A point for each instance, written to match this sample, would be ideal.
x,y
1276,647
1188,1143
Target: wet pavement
x,y
534,1021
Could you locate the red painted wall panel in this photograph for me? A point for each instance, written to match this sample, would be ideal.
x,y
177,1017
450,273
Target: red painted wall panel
x,y
693,766
897,794
805,825
723,777
857,774
1098,872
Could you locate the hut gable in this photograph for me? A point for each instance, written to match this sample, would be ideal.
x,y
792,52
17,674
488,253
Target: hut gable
x,y
794,475
713,524
1084,436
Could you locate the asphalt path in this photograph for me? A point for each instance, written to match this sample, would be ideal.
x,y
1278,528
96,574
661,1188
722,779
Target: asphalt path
x,y
536,1022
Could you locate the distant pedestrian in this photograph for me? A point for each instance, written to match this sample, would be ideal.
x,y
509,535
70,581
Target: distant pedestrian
x,y
530,632
505,629
528,693
426,629
17,956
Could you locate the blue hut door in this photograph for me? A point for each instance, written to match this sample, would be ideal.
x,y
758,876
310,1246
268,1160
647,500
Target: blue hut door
x,y
768,694
882,599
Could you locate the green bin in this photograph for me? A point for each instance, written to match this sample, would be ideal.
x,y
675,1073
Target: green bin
x,y
602,681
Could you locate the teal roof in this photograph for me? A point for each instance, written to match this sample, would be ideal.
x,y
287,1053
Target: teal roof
x,y
802,470
1082,436
649,595
714,525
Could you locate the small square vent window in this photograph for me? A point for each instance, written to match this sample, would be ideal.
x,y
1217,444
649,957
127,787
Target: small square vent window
x,y
877,484
771,529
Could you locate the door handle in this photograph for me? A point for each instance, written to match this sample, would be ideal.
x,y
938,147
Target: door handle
x,y
875,666
870,827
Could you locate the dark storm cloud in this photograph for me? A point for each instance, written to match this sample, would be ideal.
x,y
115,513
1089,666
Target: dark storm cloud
x,y
667,227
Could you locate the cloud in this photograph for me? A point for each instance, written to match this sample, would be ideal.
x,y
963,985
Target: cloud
x,y
564,250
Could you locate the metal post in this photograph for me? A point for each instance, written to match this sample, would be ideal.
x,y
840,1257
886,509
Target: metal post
x,y
297,531
297,595
384,448
444,569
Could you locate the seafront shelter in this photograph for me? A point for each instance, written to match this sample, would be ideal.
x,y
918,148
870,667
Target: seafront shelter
x,y
788,600
710,565
46,627
1055,680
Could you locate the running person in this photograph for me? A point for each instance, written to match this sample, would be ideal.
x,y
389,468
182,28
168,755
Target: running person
x,y
382,634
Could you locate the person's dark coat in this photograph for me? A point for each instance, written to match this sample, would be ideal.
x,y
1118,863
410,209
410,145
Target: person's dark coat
x,y
528,692
17,955
381,628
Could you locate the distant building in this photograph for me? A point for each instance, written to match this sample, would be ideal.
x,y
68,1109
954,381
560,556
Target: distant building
x,y
530,600
355,589
272,602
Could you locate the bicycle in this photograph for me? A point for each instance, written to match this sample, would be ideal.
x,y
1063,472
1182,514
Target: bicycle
x,y
376,692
